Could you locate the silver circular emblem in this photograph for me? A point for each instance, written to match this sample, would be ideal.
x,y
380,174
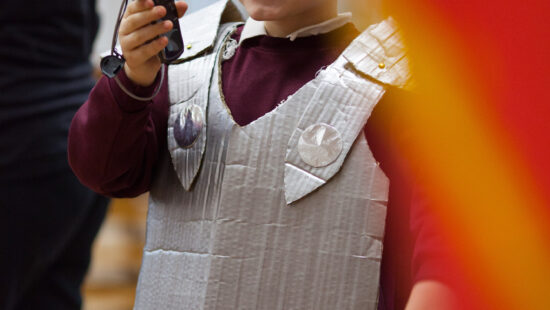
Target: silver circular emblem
x,y
320,145
188,125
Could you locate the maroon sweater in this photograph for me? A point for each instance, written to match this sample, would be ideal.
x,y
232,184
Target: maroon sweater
x,y
115,142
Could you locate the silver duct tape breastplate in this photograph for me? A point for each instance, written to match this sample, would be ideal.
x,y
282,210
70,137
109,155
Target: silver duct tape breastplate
x,y
287,212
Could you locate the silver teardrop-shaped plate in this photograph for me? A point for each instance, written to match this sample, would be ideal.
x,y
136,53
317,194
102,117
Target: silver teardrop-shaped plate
x,y
188,126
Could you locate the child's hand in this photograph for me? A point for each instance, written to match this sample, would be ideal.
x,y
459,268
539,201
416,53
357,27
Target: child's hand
x,y
136,35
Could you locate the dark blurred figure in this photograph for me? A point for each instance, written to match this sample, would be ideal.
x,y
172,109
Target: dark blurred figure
x,y
47,219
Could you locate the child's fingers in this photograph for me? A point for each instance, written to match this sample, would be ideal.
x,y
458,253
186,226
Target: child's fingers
x,y
136,21
138,6
143,53
141,36
181,7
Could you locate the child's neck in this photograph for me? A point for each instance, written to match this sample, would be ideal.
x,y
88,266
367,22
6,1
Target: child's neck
x,y
283,27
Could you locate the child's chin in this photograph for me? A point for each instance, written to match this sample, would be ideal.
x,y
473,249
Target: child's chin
x,y
263,17
259,10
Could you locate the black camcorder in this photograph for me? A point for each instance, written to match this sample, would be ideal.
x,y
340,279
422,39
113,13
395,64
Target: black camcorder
x,y
175,47
112,64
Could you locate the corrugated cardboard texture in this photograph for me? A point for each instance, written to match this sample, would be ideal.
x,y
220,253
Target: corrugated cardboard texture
x,y
233,243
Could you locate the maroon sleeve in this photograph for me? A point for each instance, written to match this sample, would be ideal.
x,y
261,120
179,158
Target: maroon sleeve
x,y
433,257
114,140
414,249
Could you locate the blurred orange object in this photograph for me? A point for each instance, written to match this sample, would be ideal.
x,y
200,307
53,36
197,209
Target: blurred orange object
x,y
482,140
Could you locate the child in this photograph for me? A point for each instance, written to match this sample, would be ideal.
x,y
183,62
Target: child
x,y
264,191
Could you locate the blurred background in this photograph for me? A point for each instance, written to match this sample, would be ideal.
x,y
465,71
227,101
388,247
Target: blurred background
x,y
111,281
116,257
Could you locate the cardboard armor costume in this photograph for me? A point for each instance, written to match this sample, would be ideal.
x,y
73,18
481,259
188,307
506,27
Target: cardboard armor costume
x,y
287,212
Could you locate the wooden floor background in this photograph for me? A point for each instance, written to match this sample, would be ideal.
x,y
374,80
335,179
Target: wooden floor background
x,y
111,280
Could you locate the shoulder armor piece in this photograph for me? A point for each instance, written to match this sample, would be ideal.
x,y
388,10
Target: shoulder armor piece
x,y
333,119
379,53
189,87
344,96
199,30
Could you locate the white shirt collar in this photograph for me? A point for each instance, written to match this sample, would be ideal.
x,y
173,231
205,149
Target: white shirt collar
x,y
253,28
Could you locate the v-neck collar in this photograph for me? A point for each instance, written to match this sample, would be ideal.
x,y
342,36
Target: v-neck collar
x,y
219,77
